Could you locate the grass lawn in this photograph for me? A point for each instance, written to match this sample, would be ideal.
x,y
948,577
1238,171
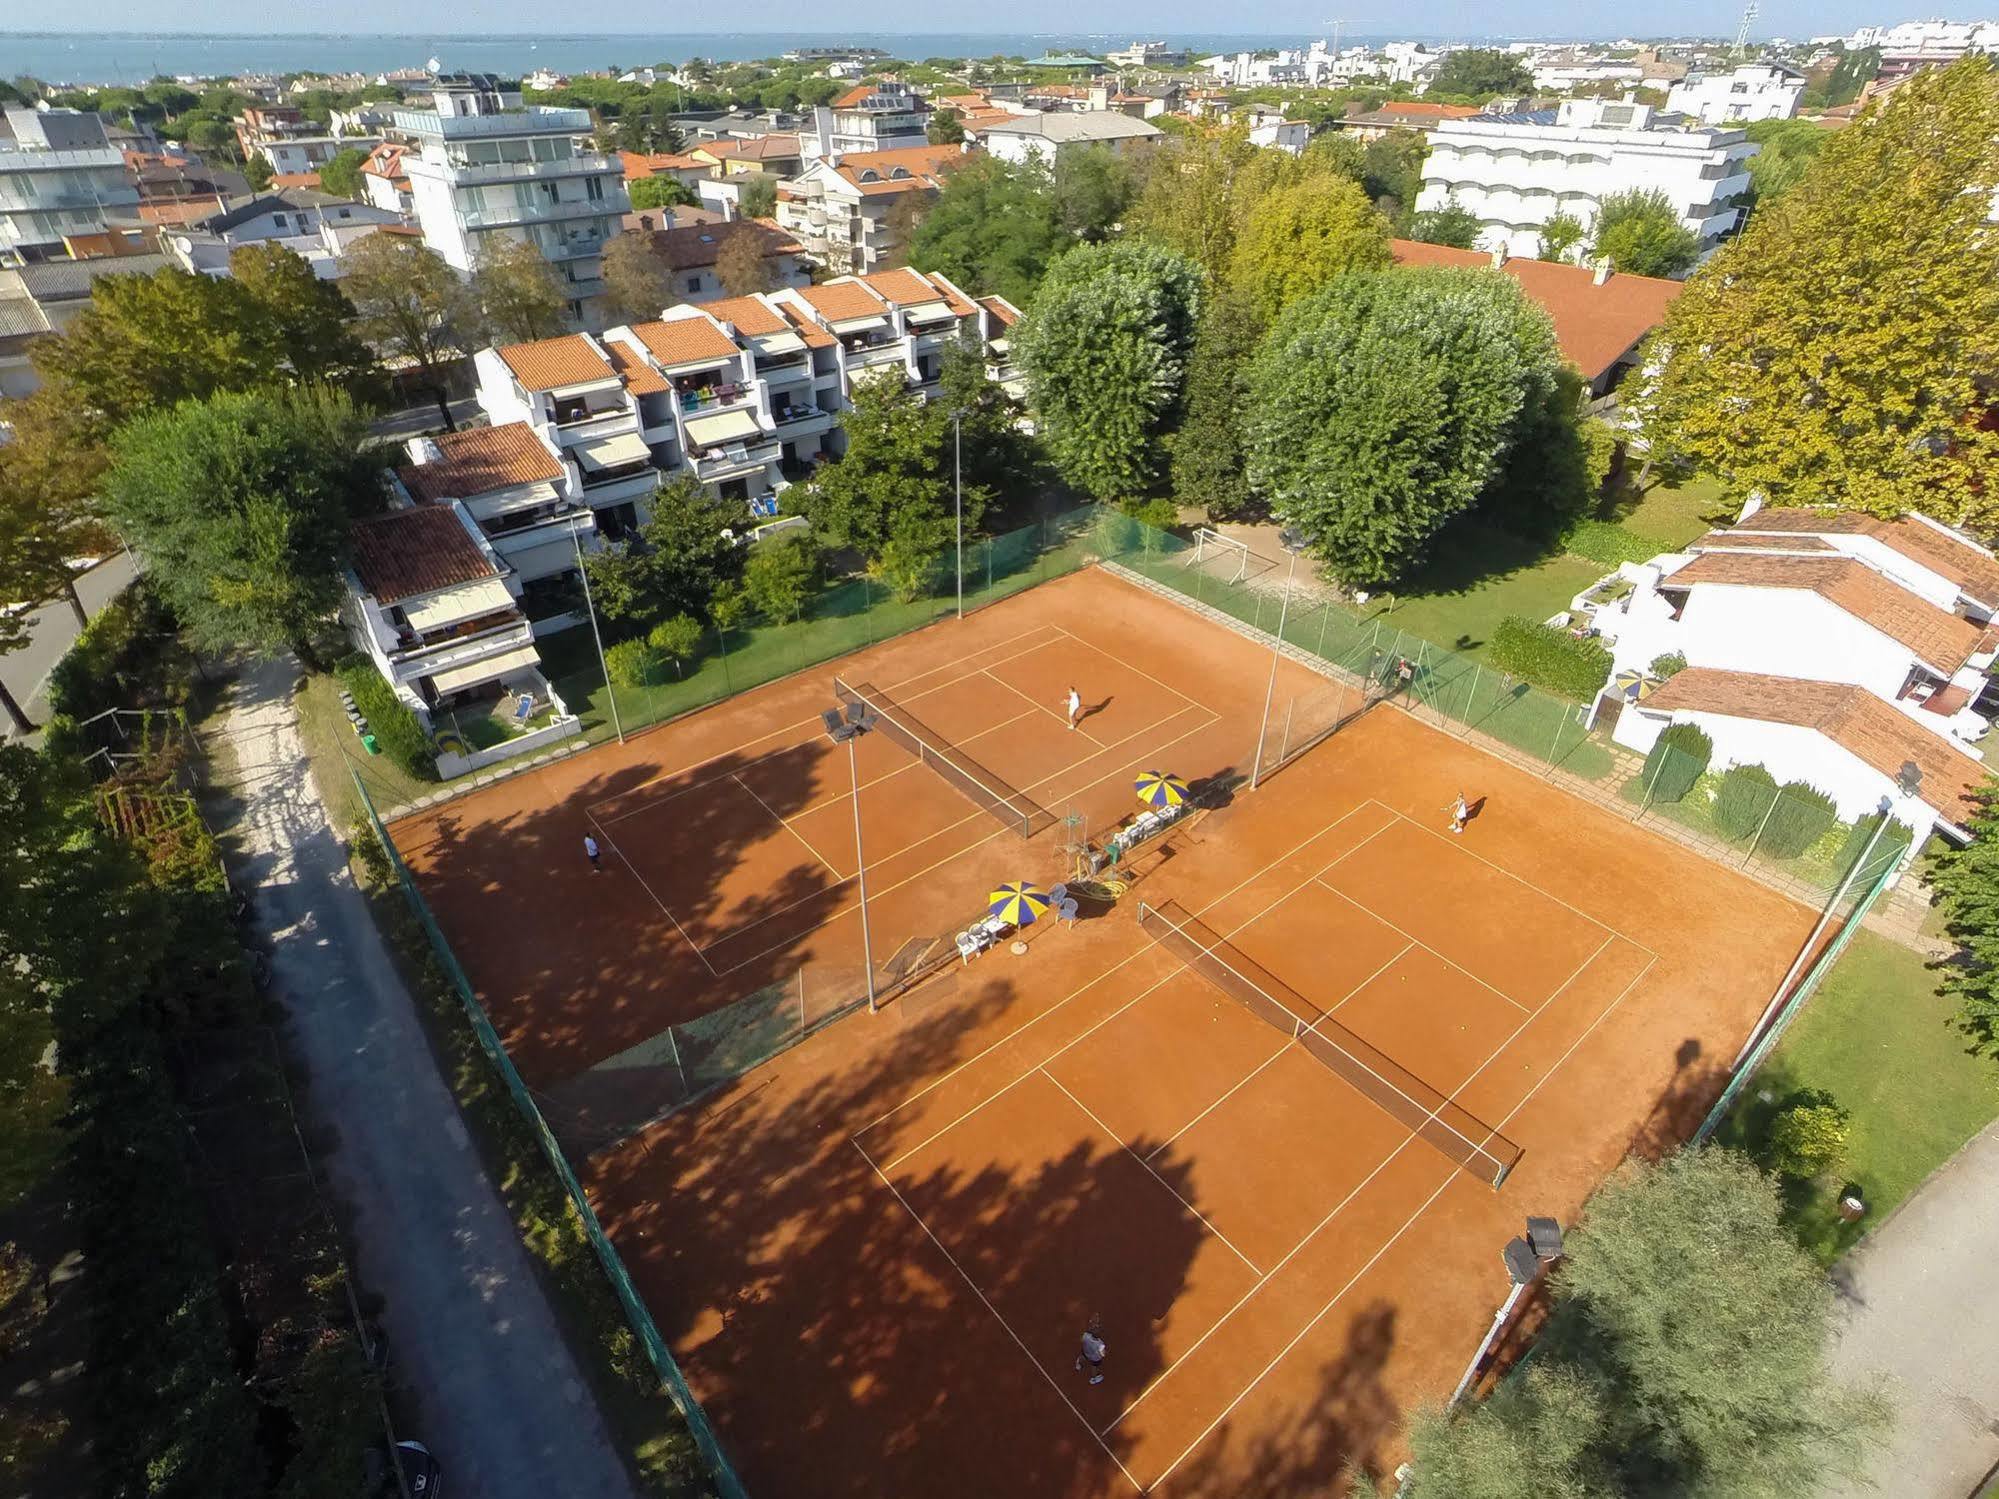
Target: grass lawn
x,y
1672,514
1479,575
1878,1038
332,745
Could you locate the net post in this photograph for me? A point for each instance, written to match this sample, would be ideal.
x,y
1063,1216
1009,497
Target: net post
x,y
1750,852
673,1045
1471,697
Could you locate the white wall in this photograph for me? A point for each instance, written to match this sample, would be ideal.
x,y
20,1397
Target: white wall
x,y
1789,632
1748,93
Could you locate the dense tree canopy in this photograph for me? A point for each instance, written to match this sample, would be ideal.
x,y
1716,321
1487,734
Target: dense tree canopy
x,y
1640,233
1093,188
240,505
661,191
1209,464
1842,349
1105,348
520,298
1785,149
412,306
1967,884
637,278
1480,73
1385,404
1200,194
893,483
340,174
1453,225
1303,235
993,228
677,564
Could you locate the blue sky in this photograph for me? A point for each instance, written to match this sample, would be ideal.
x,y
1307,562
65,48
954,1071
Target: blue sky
x,y
1137,17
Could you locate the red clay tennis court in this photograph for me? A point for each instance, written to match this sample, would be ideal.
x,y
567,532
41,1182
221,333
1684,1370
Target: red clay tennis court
x,y
874,1255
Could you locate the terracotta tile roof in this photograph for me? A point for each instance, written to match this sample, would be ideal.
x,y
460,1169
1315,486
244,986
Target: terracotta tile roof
x,y
1734,541
386,160
294,179
1939,639
1595,325
638,164
407,552
689,247
859,94
899,171
1851,717
685,340
753,148
1973,570
1415,110
747,315
815,336
1003,312
904,287
480,460
550,363
839,300
640,378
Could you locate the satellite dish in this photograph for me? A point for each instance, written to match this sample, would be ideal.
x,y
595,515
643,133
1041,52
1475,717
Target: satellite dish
x,y
1909,779
433,66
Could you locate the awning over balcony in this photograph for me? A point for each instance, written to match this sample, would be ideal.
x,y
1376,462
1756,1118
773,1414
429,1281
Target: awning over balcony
x,y
723,426
487,596
458,678
776,345
927,312
621,451
850,325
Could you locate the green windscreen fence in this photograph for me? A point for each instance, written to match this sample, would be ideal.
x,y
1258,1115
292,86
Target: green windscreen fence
x,y
726,1482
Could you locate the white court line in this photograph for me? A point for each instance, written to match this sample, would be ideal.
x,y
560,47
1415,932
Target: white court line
x,y
1126,1148
1062,718
1413,942
664,910
1128,666
1386,1246
785,823
952,1259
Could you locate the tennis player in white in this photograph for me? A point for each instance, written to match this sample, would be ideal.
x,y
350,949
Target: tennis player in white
x,y
1075,706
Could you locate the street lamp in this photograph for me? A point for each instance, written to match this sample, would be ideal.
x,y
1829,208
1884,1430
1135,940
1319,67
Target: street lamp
x,y
1270,690
958,483
846,730
590,608
1524,1259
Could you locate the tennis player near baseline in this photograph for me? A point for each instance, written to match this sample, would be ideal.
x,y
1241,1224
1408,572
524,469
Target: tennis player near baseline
x,y
1075,706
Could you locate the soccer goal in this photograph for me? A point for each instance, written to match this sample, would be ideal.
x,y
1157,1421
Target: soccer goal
x,y
1231,557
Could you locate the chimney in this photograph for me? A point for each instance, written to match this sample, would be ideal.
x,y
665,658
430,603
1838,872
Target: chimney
x,y
1602,272
645,222
1498,257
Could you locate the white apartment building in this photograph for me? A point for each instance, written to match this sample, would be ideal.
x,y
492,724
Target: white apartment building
x,y
839,208
485,170
884,116
1560,77
316,226
1515,172
1043,137
59,176
1754,91
1954,38
1830,647
292,155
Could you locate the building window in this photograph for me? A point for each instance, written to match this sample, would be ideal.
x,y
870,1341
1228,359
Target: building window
x,y
694,283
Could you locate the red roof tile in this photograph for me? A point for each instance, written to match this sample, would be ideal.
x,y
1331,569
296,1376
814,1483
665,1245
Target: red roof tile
x,y
1972,568
480,460
409,552
550,363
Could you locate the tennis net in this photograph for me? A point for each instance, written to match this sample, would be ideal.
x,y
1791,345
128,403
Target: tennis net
x,y
1015,809
1433,1118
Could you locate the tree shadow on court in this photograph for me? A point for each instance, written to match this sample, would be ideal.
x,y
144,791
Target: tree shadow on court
x,y
1347,1429
822,1306
1696,1083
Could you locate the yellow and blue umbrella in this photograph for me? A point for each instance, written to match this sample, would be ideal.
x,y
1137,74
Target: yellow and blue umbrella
x,y
1160,788
1017,903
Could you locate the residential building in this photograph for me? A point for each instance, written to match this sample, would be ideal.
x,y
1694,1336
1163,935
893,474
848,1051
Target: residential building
x,y
1828,646
1515,172
384,183
296,155
1562,77
884,116
44,297
1269,128
489,171
774,153
368,120
1403,114
437,610
59,176
843,211
1600,316
691,252
683,167
1953,38
1000,316
1043,137
317,226
1755,91
1145,55
266,122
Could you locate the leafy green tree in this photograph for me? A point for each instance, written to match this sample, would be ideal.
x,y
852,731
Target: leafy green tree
x,y
305,325
1480,73
1453,225
678,638
1786,149
1392,173
893,480
520,299
993,228
1840,350
49,470
741,265
1384,405
257,172
661,191
1302,236
676,565
1560,236
1105,348
1093,188
759,197
340,174
1966,881
1209,461
413,307
241,506
637,277
1202,190
777,579
1809,1138
993,455
1685,1355
1844,81
946,127
1640,233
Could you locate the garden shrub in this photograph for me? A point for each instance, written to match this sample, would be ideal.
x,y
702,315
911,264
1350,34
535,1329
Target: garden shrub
x,y
1678,758
1550,658
398,732
1809,1138
113,662
1802,816
632,663
1668,666
1743,800
1894,842
678,639
1608,542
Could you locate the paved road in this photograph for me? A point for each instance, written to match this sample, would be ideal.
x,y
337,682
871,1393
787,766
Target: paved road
x,y
499,1399
1921,1313
421,418
51,629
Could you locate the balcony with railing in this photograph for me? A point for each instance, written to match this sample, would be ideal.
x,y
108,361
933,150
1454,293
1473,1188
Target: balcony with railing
x,y
864,353
729,459
699,399
535,119
476,173
539,211
524,530
414,657
579,423
798,414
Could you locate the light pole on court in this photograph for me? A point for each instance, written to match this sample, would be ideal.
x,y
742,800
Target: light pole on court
x,y
958,483
1270,691
590,608
1524,1259
845,730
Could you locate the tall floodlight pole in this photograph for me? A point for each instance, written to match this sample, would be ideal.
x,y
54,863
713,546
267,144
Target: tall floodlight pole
x,y
848,729
597,635
958,482
1270,691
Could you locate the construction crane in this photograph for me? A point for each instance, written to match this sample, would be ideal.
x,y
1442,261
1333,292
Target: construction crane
x,y
1742,32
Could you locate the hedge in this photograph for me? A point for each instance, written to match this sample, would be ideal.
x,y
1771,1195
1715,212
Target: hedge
x,y
398,732
632,663
1803,815
1743,800
1550,658
112,662
1894,842
1608,542
1679,758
